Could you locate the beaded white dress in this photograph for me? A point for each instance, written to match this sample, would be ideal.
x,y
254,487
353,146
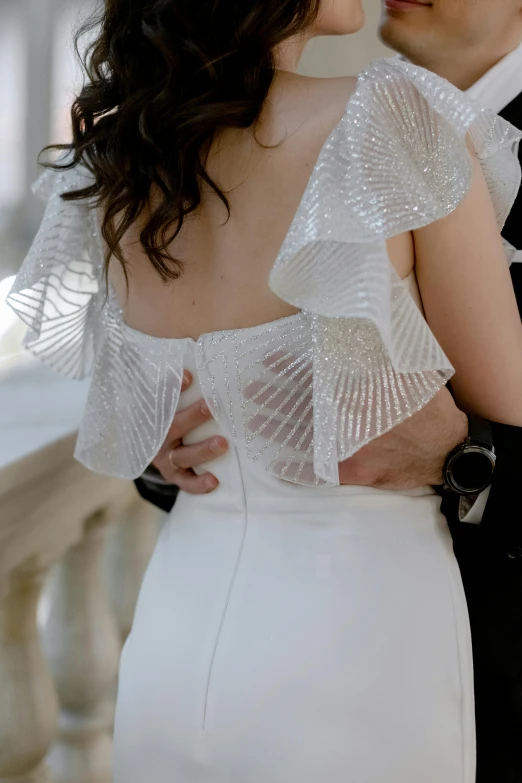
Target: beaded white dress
x,y
290,629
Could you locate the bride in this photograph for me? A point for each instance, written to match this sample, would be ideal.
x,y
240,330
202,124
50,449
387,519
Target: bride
x,y
322,255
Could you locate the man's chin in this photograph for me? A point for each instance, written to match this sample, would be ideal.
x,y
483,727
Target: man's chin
x,y
394,33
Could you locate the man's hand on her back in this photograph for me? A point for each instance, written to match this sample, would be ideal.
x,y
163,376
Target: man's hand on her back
x,y
176,462
411,455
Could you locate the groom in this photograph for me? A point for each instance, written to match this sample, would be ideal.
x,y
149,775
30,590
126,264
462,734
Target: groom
x,y
477,45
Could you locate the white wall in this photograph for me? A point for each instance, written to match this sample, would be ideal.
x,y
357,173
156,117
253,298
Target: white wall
x,y
347,55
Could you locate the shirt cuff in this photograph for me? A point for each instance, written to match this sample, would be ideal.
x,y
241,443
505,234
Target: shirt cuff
x,y
471,509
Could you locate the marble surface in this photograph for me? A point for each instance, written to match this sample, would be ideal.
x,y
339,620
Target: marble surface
x,y
37,407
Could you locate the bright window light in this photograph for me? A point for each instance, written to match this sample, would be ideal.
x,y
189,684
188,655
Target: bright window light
x,y
7,317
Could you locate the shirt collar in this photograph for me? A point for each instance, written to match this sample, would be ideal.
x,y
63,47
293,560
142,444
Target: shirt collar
x,y
501,84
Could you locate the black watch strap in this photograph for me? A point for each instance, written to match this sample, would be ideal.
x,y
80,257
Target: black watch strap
x,y
480,432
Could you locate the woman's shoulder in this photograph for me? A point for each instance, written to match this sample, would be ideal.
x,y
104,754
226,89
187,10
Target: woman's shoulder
x,y
382,78
390,94
308,103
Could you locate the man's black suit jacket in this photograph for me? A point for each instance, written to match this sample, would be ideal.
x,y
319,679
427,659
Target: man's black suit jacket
x,y
490,559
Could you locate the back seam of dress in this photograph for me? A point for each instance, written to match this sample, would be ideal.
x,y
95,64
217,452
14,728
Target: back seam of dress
x,y
230,588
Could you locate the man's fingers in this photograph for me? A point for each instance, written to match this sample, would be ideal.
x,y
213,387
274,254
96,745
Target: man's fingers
x,y
187,481
174,463
187,420
185,478
353,473
187,380
191,456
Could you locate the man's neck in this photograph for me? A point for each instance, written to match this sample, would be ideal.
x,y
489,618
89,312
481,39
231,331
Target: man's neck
x,y
461,71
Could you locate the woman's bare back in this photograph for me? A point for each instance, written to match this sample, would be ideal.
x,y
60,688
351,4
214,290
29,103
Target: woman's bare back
x,y
226,262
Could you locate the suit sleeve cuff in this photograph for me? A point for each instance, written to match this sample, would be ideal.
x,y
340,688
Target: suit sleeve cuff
x,y
471,509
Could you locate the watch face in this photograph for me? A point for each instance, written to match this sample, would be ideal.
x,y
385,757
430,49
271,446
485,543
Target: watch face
x,y
472,470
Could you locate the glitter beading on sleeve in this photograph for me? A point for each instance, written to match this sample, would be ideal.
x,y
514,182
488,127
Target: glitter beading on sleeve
x,y
397,161
59,291
303,393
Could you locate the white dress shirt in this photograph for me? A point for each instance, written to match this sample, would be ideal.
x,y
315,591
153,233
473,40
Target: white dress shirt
x,y
501,84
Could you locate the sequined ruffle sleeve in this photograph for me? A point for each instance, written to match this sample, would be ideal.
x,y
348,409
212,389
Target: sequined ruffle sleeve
x,y
75,326
396,162
59,291
300,395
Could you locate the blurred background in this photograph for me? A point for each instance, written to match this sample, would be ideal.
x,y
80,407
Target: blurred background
x,y
73,545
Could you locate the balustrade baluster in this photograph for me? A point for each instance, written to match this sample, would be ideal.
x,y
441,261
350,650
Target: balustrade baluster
x,y
131,544
28,705
82,645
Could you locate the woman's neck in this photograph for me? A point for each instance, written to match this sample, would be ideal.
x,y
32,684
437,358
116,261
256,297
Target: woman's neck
x,y
289,53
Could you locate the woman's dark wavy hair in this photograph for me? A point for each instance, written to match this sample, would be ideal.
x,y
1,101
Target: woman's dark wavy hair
x,y
163,76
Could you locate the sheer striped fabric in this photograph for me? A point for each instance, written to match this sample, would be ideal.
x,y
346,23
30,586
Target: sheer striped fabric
x,y
304,393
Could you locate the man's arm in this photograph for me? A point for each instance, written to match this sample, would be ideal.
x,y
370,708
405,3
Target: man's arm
x,y
413,453
153,488
410,455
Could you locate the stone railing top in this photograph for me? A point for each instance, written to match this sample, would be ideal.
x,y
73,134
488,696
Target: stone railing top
x,y
45,495
37,407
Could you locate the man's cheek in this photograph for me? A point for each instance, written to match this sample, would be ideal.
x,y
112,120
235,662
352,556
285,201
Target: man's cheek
x,y
469,21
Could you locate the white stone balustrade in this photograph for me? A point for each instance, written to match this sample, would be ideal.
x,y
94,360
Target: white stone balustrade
x,y
57,686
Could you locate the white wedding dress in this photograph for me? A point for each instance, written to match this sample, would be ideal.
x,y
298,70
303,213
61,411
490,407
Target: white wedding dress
x,y
290,630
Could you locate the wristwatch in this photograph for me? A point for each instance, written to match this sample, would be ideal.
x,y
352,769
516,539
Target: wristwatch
x,y
469,468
